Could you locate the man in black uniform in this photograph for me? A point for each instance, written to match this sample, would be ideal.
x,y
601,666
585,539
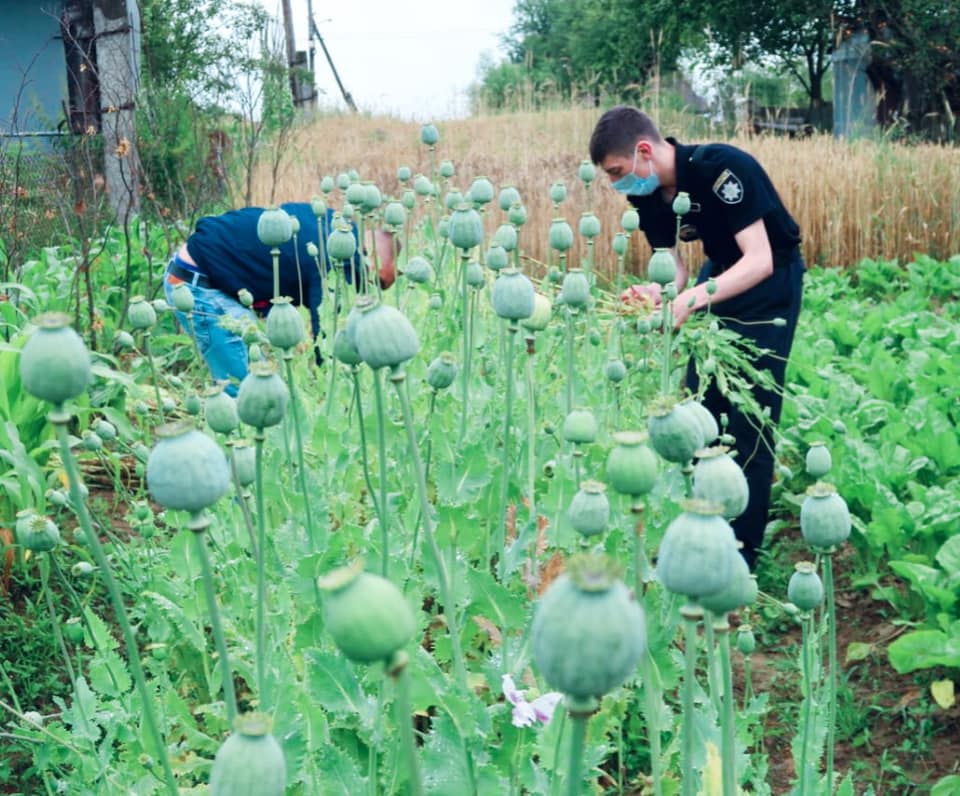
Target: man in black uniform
x,y
752,245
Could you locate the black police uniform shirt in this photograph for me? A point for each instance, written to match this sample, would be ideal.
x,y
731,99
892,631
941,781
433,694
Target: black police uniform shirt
x,y
729,190
228,251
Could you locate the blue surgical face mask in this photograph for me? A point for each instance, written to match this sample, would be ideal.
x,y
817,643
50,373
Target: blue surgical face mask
x,y
632,185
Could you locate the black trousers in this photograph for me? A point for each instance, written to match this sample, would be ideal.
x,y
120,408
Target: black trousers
x,y
778,296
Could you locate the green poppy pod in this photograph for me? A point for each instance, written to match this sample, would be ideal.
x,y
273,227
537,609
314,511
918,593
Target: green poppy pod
x,y
263,396
630,220
341,244
186,469
453,198
718,478
327,184
620,243
589,511
394,214
508,197
675,432
422,185
220,410
481,191
356,193
698,551
73,629
365,614
513,295
408,199
90,441
312,249
824,516
435,302
517,214
443,228
587,172
631,465
541,315
347,213
588,631
123,341
681,203
285,326
343,180
295,225
580,426
661,268
37,533
404,173
615,370
506,236
497,258
818,460
418,270
183,297
442,371
805,589
318,205
739,592
250,761
447,169
54,363
385,337
372,198
141,313
105,429
475,277
360,306
465,229
708,423
575,292
558,192
354,175
746,641
344,350
274,227
429,135
561,235
244,462
589,225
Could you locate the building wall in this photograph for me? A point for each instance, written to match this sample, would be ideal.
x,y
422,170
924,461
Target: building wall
x,y
33,82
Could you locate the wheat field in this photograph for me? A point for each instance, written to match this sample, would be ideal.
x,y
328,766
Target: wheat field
x,y
875,199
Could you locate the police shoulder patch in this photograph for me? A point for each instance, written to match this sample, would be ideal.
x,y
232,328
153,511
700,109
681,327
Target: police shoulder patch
x,y
728,188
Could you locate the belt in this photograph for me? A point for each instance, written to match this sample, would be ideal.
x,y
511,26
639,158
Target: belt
x,y
188,275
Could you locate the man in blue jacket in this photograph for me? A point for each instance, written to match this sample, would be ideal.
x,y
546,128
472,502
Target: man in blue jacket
x,y
224,256
752,245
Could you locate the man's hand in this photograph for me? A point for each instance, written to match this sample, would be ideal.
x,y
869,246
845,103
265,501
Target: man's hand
x,y
647,295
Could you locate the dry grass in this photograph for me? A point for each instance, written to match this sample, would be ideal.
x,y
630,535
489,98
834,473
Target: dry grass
x,y
852,200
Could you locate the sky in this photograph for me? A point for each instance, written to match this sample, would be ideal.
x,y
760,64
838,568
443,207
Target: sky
x,y
412,58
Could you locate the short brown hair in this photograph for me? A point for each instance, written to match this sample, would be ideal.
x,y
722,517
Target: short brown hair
x,y
618,131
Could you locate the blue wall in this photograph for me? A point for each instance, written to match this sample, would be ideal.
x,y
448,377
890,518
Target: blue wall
x,y
31,65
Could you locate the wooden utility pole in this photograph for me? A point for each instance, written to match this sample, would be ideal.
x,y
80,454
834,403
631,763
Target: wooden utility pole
x,y
291,52
347,97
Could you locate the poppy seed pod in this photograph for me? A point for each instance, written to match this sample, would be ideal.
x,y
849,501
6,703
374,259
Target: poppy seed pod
x,y
661,268
474,274
372,198
220,410
746,641
384,336
497,258
429,135
718,478
615,370
575,292
739,592
285,326
708,423
249,761
558,192
587,172
447,169
141,313
589,511
541,315
244,462
580,427
318,205
442,371
698,550
561,235
263,396
327,184
394,214
465,229
404,173
341,244
365,614
183,297
274,227
588,630
481,191
589,225
630,220
186,469
517,215
54,363
818,460
620,243
37,533
507,197
344,349
824,516
805,589
452,199
418,270
513,295
681,203
631,465
675,432
408,199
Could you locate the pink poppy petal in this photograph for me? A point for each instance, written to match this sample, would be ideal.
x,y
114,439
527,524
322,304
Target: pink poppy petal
x,y
544,706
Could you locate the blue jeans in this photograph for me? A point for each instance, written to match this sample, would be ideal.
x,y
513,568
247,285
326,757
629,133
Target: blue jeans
x,y
224,350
